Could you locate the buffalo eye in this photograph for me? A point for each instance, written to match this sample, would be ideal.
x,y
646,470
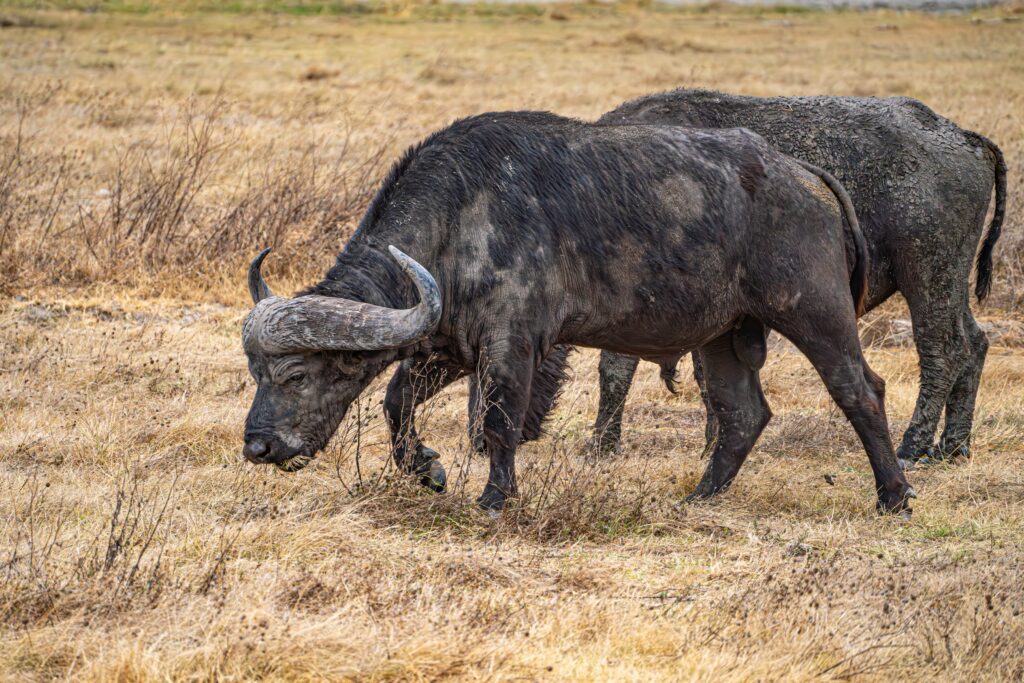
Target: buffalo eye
x,y
296,378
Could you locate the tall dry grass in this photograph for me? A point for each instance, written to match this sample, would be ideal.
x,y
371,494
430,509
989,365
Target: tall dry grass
x,y
146,155
181,204
111,169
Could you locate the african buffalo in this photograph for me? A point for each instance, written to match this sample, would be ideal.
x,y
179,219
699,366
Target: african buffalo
x,y
525,231
921,187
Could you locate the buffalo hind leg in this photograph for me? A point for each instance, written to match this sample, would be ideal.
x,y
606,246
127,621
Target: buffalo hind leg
x,y
956,436
937,293
506,373
942,357
750,342
739,405
830,342
412,384
616,373
545,390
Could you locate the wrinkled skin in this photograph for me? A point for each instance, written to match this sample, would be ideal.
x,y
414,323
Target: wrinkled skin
x,y
542,232
300,401
921,187
302,398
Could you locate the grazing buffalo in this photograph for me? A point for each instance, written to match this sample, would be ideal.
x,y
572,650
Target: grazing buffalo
x,y
921,187
505,235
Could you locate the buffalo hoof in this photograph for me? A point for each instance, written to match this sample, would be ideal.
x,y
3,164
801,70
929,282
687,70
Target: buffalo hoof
x,y
961,450
492,500
430,469
707,488
916,455
435,478
704,491
605,444
896,503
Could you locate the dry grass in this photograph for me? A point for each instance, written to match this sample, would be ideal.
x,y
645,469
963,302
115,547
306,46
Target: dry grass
x,y
146,155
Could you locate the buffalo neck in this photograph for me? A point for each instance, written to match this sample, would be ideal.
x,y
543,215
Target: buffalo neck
x,y
366,273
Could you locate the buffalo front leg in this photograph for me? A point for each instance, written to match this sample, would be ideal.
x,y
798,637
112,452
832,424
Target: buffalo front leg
x,y
956,436
738,403
506,373
413,383
616,373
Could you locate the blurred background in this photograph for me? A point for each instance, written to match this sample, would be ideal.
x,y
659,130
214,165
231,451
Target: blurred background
x,y
183,136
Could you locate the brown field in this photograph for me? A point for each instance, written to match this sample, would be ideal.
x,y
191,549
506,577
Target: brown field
x,y
148,150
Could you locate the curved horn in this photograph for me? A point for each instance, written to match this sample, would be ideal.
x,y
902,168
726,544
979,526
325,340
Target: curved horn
x,y
326,323
257,285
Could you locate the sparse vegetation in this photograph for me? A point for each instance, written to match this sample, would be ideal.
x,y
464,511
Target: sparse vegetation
x,y
147,150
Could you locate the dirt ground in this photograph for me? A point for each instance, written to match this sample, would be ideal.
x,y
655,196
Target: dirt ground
x,y
148,152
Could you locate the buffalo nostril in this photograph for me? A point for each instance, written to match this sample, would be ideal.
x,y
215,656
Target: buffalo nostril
x,y
254,450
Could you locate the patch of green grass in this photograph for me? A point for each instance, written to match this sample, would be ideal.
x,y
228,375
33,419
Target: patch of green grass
x,y
629,524
944,530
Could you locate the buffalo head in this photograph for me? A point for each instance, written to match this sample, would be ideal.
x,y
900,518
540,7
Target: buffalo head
x,y
311,356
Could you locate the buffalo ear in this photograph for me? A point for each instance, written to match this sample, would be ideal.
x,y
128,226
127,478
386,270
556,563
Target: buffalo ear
x,y
349,362
258,288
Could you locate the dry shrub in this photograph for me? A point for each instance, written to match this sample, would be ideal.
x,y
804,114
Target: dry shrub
x,y
147,213
183,203
34,188
56,566
568,491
